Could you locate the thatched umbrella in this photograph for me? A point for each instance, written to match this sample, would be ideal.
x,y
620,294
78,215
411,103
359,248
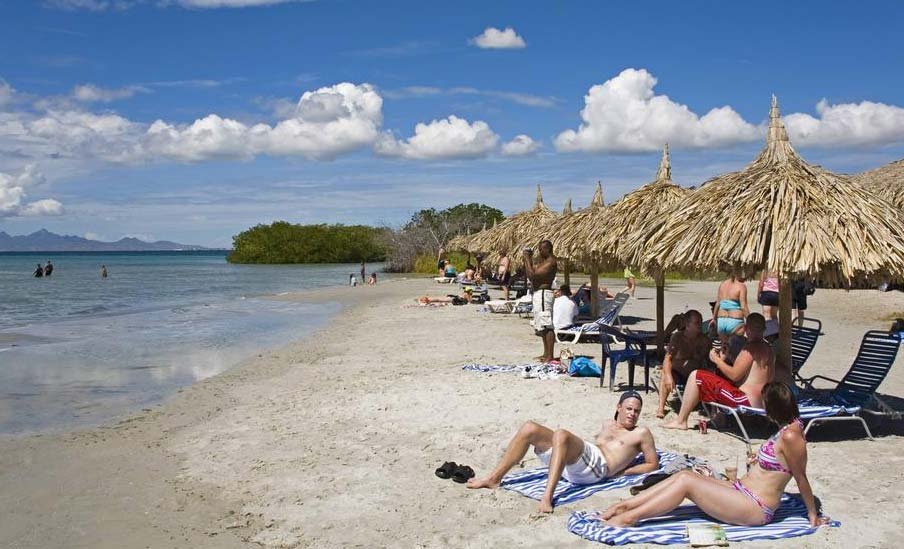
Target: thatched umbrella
x,y
887,182
570,239
783,214
626,220
510,234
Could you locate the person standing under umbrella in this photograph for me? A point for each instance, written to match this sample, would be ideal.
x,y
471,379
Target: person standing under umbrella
x,y
541,275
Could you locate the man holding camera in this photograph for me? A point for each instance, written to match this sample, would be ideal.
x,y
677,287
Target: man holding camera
x,y
541,274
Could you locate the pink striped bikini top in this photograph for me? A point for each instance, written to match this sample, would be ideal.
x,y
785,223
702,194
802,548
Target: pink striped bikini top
x,y
765,457
770,284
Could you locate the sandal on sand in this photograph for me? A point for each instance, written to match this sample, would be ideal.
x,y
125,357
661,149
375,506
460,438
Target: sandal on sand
x,y
462,474
446,469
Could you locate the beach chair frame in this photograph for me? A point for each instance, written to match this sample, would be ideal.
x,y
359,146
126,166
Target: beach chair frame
x,y
635,350
608,317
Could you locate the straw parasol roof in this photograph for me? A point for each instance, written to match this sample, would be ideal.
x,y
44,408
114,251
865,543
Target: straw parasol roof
x,y
783,214
887,182
568,233
625,220
567,209
513,231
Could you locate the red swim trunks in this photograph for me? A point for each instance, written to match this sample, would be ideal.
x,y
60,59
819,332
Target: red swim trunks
x,y
714,388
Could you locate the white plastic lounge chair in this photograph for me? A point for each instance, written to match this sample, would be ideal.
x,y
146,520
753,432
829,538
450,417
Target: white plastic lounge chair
x,y
590,331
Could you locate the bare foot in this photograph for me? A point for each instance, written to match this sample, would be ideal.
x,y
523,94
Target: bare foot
x,y
612,511
545,507
483,483
674,424
541,359
660,414
619,522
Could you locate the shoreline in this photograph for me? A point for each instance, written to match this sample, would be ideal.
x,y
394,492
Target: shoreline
x,y
346,426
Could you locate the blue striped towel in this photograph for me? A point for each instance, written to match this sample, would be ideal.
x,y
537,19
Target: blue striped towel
x,y
532,482
809,409
790,521
497,367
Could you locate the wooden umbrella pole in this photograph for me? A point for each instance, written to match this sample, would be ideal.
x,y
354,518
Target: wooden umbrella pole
x,y
659,275
783,358
594,288
567,272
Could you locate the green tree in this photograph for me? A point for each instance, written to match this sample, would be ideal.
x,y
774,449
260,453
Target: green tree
x,y
283,242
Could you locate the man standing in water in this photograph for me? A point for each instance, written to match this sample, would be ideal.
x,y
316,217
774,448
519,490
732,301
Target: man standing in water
x,y
363,271
48,269
541,275
103,271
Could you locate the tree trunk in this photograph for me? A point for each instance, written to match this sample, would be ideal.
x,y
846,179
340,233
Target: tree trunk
x,y
594,289
783,355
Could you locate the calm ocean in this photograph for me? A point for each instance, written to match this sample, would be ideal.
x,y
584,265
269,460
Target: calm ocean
x,y
78,350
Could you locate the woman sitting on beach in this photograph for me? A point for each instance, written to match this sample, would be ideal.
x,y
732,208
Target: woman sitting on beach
x,y
750,501
731,308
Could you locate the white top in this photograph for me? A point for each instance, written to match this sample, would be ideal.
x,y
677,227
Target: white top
x,y
564,312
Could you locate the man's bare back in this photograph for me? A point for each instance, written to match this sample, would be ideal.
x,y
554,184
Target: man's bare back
x,y
762,370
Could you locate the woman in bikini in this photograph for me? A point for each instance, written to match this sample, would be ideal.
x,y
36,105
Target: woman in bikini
x,y
750,501
731,309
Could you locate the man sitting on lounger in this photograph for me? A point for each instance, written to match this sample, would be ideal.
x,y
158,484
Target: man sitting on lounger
x,y
580,461
687,351
743,380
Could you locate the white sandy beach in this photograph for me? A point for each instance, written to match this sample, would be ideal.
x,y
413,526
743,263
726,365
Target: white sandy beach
x,y
332,441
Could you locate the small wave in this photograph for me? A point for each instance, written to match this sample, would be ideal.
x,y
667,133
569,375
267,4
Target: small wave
x,y
90,310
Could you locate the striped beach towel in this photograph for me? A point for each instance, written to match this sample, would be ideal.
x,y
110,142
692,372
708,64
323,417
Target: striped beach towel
x,y
532,482
496,367
809,409
790,521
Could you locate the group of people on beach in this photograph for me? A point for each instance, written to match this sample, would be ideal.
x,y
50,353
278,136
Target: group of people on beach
x,y
742,372
352,281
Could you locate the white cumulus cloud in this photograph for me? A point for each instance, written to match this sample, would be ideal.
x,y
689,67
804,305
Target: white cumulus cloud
x,y
625,114
12,195
89,93
451,137
493,38
521,145
857,124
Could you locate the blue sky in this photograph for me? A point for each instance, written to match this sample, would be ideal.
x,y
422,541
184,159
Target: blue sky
x,y
191,120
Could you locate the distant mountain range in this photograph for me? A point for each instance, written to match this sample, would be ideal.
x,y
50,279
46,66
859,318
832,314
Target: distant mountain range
x,y
46,241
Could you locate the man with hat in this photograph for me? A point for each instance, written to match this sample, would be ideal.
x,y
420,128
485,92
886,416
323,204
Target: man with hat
x,y
579,461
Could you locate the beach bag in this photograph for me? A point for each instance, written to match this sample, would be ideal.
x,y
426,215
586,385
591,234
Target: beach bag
x,y
584,367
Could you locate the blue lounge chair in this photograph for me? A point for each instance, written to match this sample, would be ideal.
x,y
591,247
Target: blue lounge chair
x,y
852,394
803,340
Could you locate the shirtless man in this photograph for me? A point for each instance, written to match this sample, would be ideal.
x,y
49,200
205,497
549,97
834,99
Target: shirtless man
x,y
743,381
687,351
580,461
502,272
541,275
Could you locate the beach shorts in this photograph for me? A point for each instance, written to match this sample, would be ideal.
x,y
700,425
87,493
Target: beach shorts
x,y
799,296
590,468
770,299
715,388
542,301
726,325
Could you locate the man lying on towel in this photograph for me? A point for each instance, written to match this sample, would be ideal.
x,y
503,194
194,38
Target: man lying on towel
x,y
733,385
581,461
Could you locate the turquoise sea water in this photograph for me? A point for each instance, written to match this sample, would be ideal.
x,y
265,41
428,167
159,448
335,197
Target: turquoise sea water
x,y
78,350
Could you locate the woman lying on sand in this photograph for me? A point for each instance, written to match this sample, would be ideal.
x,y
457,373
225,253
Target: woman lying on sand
x,y
750,501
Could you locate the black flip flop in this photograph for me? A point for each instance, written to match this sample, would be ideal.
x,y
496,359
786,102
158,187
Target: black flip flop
x,y
446,469
462,474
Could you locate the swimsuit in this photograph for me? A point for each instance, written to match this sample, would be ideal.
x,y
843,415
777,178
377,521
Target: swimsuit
x,y
768,512
715,388
766,459
590,468
727,325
